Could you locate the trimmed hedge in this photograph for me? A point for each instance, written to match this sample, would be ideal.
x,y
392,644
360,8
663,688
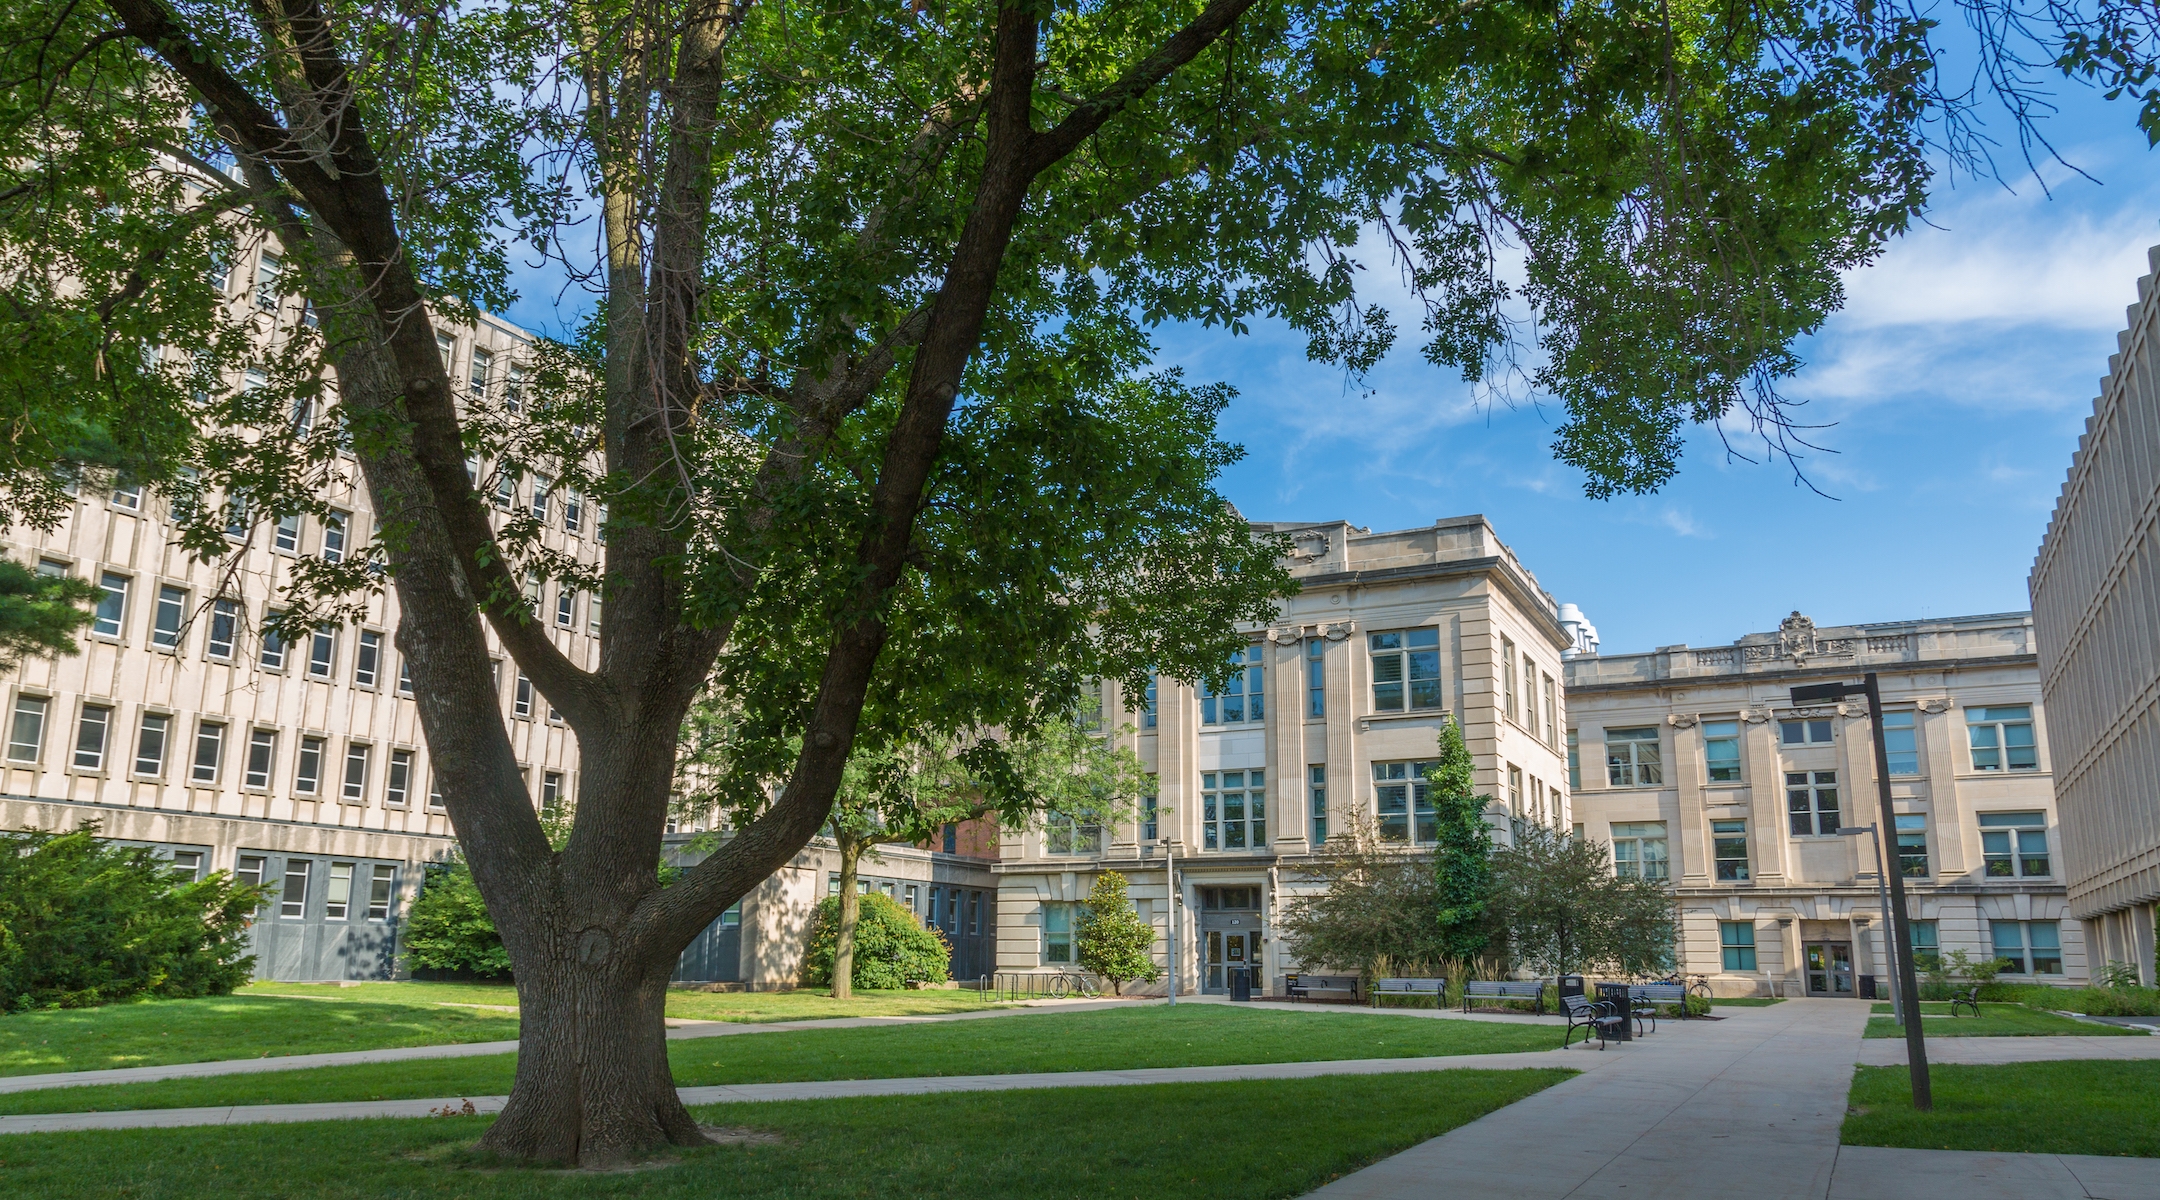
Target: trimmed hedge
x,y
891,948
84,922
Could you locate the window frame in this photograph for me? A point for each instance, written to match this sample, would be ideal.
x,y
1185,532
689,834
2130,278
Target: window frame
x,y
1737,954
312,748
1807,728
397,779
367,659
1812,784
1410,660
114,598
273,644
1315,677
1316,799
104,714
1910,830
1058,932
1999,728
259,781
1066,835
225,621
168,618
1417,814
1902,725
1725,834
1637,771
209,733
322,653
350,790
382,890
1722,733
2029,946
43,707
1250,697
1638,862
1249,794
2016,852
164,722
291,907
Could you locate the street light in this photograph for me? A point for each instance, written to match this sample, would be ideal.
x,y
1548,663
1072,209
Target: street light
x,y
1882,888
1170,928
1908,987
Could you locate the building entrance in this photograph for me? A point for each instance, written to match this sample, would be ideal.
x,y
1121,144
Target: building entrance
x,y
1228,949
1830,969
1229,936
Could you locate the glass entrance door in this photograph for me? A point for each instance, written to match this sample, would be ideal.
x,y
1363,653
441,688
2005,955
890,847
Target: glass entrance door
x,y
1830,969
1225,950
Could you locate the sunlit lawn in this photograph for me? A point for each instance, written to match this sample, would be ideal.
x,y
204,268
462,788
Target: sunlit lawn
x,y
2070,1107
1995,1020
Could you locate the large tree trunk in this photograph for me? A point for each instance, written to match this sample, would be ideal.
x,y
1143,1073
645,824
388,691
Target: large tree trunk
x,y
843,971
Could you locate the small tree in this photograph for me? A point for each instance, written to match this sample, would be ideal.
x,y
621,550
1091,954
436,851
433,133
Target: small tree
x,y
1380,902
40,614
1566,913
1114,942
891,948
1463,862
449,928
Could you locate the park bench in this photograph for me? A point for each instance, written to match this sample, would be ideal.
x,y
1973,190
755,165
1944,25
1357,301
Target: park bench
x,y
1532,990
1304,987
1436,988
1590,1016
1645,997
1970,998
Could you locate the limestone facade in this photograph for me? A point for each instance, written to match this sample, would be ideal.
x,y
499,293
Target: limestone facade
x,y
1694,766
2095,590
1336,704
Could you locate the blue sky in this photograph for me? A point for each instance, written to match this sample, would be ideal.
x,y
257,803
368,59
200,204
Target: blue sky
x,y
1953,386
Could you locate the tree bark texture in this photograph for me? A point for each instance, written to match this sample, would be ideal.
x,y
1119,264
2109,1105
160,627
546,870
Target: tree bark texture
x,y
850,914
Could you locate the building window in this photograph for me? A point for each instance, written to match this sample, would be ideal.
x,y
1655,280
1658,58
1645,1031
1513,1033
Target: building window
x,y
521,696
367,659
1912,855
1810,732
382,887
1316,677
333,537
285,535
592,615
338,899
399,781
1737,940
150,744
533,587
1552,712
1631,757
1900,743
266,283
170,615
974,924
1150,827
1811,802
951,837
273,642
1728,841
209,753
1638,849
2002,736
224,629
1090,711
1402,803
505,488
1242,698
573,511
1148,701
1057,931
565,608
2028,947
307,774
434,795
187,865
912,895
1233,810
127,497
293,904
1065,834
2014,844
90,734
26,735
1529,694
1574,763
111,605
1405,669
542,488
1508,699
1317,774
1721,750
404,677
551,793
322,653
261,759
477,374
1514,791
1926,946
356,773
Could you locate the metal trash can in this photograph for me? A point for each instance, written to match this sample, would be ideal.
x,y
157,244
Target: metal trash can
x,y
1616,994
1568,985
1241,983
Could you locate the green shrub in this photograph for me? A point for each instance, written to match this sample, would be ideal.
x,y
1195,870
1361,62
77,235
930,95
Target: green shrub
x,y
84,922
449,928
2098,1001
890,947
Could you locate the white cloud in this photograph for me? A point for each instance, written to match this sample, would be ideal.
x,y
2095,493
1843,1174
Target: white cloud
x,y
1682,523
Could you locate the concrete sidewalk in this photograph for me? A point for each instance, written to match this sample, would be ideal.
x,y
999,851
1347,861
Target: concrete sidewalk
x,y
1889,1052
677,1031
165,1118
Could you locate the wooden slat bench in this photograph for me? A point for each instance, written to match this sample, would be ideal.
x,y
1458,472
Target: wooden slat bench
x,y
1305,987
1436,988
1532,990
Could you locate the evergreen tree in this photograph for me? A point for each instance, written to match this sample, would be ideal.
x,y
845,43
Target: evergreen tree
x,y
40,614
1463,859
1114,942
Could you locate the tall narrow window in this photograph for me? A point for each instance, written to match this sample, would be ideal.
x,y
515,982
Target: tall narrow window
x,y
337,898
477,377
367,658
1529,694
1514,791
2014,844
267,270
273,642
1233,810
1552,713
521,697
592,615
26,734
949,839
404,677
111,604
303,416
1728,840
333,537
1926,945
1639,850
573,511
220,271
90,735
1912,854
1811,800
224,629
533,585
1316,775
434,794
307,773
322,653
565,607
1057,932
514,388
209,754
1148,701
261,759
1721,750
1405,669
285,536
150,744
1632,758
1901,743
382,888
1508,700
1243,697
1737,940
2002,737
1316,677
356,773
292,903
1402,803
506,488
1574,762
541,488
551,793
1150,814
399,779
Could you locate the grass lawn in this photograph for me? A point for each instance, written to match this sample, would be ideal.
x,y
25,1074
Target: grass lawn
x,y
1187,1036
1748,1001
757,1007
1273,1138
1995,1020
2088,1107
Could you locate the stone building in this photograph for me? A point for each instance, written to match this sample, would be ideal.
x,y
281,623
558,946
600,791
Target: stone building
x,y
1692,764
1332,715
2096,590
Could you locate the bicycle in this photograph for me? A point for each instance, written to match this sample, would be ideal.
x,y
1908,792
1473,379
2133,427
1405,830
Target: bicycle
x,y
1065,983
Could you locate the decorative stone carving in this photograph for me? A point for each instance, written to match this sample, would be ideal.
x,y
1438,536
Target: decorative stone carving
x,y
1283,637
1680,720
1755,716
1935,704
1797,641
1309,544
1338,630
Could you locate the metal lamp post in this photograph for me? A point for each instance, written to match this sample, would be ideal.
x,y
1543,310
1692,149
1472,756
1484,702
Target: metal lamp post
x,y
1908,987
1882,889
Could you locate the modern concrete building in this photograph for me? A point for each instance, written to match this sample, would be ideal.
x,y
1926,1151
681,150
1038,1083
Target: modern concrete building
x,y
1332,715
2096,598
1692,764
